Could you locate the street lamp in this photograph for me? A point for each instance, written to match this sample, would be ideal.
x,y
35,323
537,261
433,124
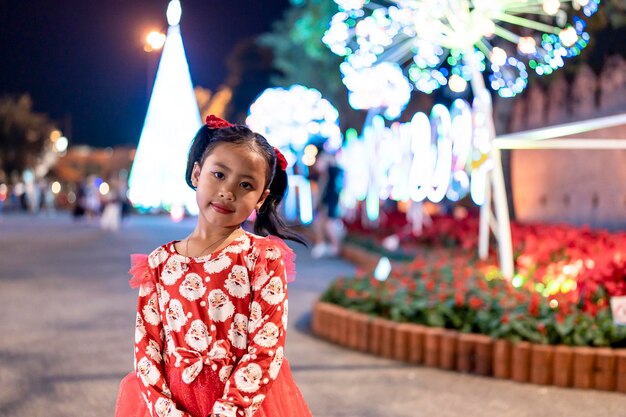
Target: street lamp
x,y
154,41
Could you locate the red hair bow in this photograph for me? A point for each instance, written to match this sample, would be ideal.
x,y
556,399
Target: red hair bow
x,y
214,122
280,159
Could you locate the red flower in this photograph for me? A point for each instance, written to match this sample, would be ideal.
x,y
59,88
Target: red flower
x,y
475,303
214,122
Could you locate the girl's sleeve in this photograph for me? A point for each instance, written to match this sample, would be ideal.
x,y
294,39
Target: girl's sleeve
x,y
149,340
258,368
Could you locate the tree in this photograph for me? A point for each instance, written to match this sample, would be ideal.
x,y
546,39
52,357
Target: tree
x,y
301,57
250,70
23,134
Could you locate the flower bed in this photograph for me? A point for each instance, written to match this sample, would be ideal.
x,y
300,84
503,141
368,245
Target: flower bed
x,y
559,295
546,317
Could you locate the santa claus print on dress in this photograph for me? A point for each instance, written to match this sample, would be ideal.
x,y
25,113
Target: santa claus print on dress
x,y
172,271
256,316
176,317
238,332
220,306
268,335
140,330
148,372
197,336
164,407
192,287
218,264
248,378
237,283
151,310
276,362
273,292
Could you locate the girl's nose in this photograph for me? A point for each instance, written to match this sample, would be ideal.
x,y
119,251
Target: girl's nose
x,y
226,194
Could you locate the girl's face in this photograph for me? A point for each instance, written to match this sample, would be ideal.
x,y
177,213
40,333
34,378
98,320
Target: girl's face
x,y
230,184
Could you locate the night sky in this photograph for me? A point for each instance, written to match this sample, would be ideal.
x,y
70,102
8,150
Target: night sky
x,y
84,65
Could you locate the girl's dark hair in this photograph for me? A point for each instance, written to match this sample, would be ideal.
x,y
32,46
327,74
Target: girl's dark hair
x,y
268,219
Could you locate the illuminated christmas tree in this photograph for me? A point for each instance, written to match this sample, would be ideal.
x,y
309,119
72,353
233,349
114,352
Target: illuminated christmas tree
x,y
157,177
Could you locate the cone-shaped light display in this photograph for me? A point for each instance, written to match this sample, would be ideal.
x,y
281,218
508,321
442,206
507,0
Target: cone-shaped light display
x,y
157,177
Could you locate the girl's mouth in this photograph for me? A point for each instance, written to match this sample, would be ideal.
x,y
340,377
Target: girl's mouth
x,y
221,209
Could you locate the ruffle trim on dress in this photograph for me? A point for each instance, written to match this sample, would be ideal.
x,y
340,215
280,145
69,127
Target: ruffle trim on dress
x,y
288,255
139,271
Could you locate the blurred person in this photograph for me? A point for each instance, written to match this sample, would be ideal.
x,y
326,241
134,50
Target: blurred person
x,y
212,308
19,195
78,211
93,204
327,225
112,212
46,197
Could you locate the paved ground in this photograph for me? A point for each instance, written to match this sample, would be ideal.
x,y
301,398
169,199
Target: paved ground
x,y
66,325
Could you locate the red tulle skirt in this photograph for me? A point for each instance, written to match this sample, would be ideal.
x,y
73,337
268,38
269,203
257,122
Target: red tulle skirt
x,y
283,399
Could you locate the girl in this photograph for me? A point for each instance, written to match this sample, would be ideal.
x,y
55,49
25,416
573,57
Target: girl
x,y
212,310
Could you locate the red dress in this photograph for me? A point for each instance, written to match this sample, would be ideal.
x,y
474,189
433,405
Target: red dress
x,y
210,334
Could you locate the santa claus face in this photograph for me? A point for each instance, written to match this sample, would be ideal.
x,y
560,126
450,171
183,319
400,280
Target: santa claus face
x,y
222,409
172,271
140,330
220,306
151,310
276,362
260,279
164,296
197,336
237,283
148,372
154,351
256,403
175,315
267,336
251,258
218,264
164,407
273,293
248,378
157,257
272,253
225,372
192,287
256,316
238,333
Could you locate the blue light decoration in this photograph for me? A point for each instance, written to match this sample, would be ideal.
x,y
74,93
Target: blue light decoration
x,y
157,177
434,41
292,119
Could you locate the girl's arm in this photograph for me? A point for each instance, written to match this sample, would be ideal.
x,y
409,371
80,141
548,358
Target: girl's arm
x,y
149,342
254,374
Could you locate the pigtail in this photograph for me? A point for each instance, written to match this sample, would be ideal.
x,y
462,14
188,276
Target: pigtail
x,y
268,219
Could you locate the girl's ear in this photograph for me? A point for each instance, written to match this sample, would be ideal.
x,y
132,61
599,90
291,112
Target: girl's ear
x,y
195,174
262,198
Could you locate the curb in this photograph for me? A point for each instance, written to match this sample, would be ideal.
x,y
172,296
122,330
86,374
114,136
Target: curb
x,y
561,366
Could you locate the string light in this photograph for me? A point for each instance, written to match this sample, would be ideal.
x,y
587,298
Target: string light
x,y
430,40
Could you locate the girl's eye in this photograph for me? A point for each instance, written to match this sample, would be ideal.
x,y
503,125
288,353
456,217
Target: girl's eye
x,y
218,175
246,185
